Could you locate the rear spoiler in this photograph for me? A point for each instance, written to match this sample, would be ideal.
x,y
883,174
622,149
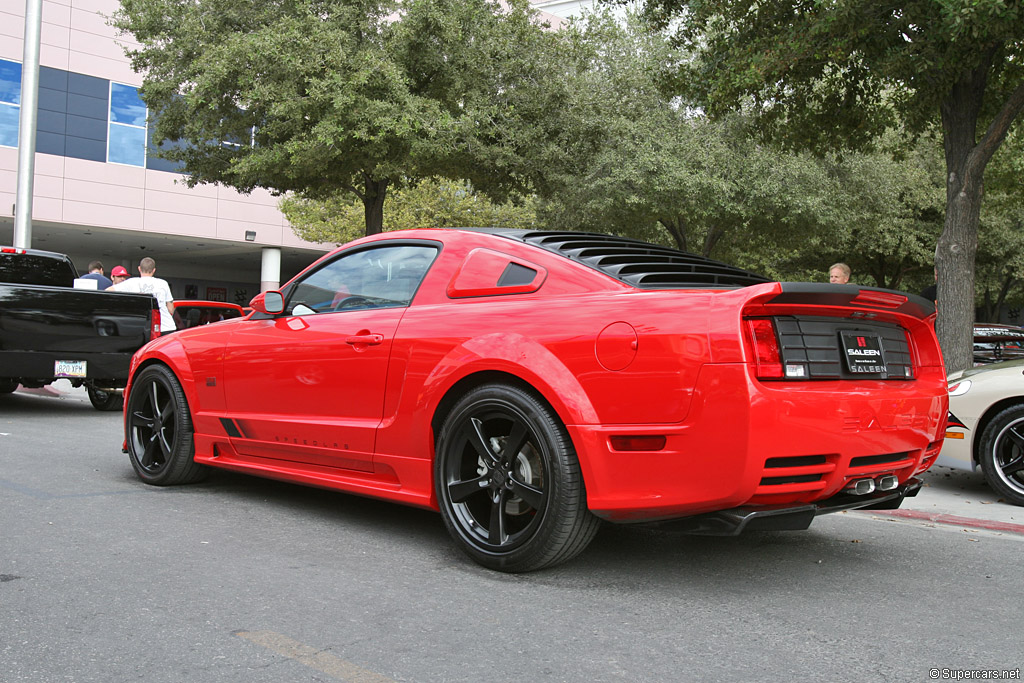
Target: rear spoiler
x,y
827,294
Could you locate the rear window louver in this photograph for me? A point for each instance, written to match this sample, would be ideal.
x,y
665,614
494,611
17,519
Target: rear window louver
x,y
640,264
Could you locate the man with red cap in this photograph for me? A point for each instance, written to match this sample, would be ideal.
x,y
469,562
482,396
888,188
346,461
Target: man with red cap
x,y
119,274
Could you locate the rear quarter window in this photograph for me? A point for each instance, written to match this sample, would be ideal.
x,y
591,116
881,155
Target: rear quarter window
x,y
491,273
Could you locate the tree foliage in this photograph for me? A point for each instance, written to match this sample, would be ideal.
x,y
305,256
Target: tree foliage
x,y
668,173
322,96
432,203
1000,273
835,74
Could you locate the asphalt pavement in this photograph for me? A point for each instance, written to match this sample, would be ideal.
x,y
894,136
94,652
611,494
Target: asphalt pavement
x,y
950,497
104,579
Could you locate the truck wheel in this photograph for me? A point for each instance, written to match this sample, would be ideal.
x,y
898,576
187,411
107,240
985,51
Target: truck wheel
x,y
158,430
508,482
1001,454
8,385
105,400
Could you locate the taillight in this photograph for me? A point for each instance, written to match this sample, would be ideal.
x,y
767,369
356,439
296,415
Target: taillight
x,y
11,250
156,324
766,348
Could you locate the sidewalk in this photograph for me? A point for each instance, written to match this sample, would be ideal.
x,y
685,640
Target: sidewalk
x,y
960,498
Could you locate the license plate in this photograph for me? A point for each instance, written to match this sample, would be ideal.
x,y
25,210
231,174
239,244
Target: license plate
x,y
863,353
69,368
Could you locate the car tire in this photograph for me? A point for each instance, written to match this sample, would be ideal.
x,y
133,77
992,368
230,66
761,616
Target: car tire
x,y
508,482
1001,454
105,400
8,386
158,430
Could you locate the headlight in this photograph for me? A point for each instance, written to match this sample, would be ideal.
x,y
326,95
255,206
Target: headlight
x,y
960,388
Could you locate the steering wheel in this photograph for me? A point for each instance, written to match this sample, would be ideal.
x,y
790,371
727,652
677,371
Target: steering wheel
x,y
352,302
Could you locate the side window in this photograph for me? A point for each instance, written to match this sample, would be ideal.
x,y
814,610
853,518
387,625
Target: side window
x,y
381,277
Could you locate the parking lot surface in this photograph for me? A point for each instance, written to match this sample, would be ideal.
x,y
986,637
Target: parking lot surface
x,y
105,579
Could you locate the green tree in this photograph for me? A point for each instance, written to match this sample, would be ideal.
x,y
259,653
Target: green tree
x,y
322,96
888,213
830,74
431,203
648,168
1000,271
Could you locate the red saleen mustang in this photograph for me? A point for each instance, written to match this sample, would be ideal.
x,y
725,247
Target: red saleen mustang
x,y
529,384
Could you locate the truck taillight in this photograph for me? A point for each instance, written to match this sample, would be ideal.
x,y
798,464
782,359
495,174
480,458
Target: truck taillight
x,y
156,324
11,250
765,344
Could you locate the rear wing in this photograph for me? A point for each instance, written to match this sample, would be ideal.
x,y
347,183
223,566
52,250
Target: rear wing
x,y
854,296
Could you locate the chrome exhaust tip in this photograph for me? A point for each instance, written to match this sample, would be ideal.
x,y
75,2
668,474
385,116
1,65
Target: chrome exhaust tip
x,y
887,483
861,487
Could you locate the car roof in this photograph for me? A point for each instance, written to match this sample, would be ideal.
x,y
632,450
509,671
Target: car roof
x,y
634,262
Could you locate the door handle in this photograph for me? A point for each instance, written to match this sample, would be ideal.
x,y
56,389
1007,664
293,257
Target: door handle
x,y
368,339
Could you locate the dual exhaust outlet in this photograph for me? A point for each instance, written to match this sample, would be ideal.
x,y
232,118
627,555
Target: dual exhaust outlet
x,y
862,487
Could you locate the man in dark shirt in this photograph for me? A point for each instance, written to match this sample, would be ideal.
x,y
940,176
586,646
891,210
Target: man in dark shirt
x,y
96,273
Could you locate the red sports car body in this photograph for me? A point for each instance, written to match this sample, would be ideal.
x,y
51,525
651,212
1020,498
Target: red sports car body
x,y
527,384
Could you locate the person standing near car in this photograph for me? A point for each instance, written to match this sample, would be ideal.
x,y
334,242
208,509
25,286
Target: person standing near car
x,y
146,283
119,274
839,274
96,273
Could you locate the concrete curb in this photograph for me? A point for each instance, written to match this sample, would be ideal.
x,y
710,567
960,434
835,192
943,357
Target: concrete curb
x,y
952,520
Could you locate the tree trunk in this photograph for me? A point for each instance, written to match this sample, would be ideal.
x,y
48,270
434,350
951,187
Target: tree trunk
x,y
966,160
958,243
373,205
676,229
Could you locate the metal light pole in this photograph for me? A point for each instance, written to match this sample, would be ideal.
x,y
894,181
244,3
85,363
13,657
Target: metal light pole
x,y
27,124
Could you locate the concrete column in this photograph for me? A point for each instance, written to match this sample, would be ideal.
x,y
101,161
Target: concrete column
x,y
270,272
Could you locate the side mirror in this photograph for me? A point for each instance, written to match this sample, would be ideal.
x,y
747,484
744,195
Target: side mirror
x,y
271,302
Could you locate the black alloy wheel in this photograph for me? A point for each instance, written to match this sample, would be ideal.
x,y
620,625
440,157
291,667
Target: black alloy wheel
x,y
159,430
1001,454
508,482
105,400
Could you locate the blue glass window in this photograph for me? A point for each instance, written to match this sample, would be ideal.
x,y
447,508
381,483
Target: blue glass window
x,y
10,97
127,145
126,106
126,139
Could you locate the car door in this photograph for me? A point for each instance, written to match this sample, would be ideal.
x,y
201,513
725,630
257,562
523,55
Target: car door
x,y
308,385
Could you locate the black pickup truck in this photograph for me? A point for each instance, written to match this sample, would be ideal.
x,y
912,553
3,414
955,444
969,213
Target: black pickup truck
x,y
50,330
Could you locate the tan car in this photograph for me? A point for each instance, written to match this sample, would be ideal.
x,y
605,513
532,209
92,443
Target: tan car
x,y
986,426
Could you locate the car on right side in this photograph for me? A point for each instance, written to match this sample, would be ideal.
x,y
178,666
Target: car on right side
x,y
994,343
985,427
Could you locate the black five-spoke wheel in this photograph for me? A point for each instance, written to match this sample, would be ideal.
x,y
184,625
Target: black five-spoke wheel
x,y
1001,454
159,430
508,481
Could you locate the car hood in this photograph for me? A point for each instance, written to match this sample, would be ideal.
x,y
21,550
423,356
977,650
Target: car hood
x,y
983,369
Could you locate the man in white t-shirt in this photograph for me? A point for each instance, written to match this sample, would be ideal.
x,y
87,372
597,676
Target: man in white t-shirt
x,y
147,284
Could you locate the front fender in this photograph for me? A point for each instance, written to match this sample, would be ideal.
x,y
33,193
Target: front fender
x,y
170,352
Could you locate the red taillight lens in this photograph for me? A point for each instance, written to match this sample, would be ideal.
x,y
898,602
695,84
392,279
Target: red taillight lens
x,y
766,348
156,324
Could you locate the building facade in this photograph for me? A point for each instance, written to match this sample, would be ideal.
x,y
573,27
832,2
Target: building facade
x,y
99,192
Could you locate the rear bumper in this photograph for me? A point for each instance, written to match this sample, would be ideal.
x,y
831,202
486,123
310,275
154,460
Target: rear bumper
x,y
764,446
781,518
38,366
